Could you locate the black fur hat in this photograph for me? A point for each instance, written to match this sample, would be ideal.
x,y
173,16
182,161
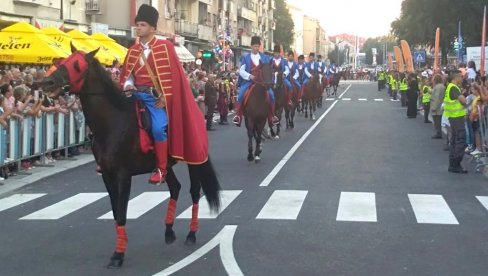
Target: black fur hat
x,y
277,49
147,14
291,53
312,54
319,56
255,40
301,57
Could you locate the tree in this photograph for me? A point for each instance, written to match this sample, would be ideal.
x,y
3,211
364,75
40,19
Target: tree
x,y
283,34
420,18
379,43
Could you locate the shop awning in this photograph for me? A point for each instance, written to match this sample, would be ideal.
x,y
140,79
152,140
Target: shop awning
x,y
23,43
63,39
112,46
183,54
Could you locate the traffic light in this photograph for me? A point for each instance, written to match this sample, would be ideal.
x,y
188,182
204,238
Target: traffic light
x,y
207,55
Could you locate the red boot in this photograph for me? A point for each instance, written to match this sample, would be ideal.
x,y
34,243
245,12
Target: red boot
x,y
237,117
161,151
271,115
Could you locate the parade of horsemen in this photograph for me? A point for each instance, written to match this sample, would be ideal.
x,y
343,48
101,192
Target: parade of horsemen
x,y
366,125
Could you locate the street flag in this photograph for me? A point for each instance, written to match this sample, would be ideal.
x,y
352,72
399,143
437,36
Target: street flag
x,y
483,43
390,61
436,50
460,47
407,56
399,59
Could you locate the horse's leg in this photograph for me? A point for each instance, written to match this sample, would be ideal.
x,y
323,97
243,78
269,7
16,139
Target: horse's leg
x,y
287,116
292,117
250,135
258,131
118,187
312,109
305,108
174,190
195,197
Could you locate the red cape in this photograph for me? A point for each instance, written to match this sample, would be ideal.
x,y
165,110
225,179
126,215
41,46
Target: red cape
x,y
187,135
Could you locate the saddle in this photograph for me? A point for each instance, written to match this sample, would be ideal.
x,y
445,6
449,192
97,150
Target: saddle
x,y
144,124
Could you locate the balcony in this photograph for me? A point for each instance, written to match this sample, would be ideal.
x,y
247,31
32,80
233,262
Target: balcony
x,y
28,2
247,14
245,40
205,32
92,6
185,28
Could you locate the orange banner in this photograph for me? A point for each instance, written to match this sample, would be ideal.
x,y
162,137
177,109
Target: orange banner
x,y
390,61
436,49
407,56
399,59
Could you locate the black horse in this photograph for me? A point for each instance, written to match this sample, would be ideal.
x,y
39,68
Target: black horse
x,y
112,118
336,77
256,109
291,108
280,103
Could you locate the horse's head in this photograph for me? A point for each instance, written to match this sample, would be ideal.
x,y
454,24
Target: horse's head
x,y
264,75
70,73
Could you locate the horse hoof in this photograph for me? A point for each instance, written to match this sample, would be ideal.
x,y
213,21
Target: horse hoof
x,y
191,239
250,158
116,260
277,137
313,118
257,159
169,236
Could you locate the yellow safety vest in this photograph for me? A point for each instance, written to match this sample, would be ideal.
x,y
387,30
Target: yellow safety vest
x,y
403,85
426,94
452,108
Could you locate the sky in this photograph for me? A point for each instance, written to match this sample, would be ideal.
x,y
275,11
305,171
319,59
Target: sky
x,y
365,18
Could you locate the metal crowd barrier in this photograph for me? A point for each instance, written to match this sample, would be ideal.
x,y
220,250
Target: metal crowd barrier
x,y
38,136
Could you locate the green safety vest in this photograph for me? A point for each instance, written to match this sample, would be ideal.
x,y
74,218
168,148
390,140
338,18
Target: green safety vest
x,y
393,83
452,108
426,94
381,76
403,85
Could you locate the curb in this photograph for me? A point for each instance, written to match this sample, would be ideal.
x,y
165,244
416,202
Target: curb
x,y
38,173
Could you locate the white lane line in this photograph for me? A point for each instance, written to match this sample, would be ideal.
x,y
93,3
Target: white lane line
x,y
431,209
224,239
141,204
65,207
330,99
357,207
226,198
346,99
483,200
392,100
283,204
290,153
378,100
362,99
17,199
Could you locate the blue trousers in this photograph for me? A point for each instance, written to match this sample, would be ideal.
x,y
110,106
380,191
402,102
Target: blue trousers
x,y
288,83
243,88
159,118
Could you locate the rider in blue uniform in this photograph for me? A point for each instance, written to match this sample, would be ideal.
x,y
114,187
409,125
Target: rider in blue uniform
x,y
291,76
303,73
246,79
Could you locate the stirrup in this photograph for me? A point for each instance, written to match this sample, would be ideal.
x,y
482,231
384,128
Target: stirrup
x,y
162,177
237,120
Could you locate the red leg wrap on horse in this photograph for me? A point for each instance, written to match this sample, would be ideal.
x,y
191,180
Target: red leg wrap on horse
x,y
194,218
170,214
121,239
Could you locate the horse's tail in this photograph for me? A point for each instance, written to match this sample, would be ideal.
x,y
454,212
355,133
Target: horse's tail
x,y
210,184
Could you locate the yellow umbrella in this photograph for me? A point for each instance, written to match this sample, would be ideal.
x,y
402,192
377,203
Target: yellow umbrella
x,y
103,55
23,43
63,39
113,47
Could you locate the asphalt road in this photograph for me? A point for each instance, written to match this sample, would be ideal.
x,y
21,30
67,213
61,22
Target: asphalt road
x,y
366,193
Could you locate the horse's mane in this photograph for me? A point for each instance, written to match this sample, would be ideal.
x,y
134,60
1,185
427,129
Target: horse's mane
x,y
114,93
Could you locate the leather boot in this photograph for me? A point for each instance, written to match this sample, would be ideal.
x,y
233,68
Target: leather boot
x,y
271,115
161,152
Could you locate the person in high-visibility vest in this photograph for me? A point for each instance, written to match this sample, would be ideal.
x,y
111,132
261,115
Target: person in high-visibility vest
x,y
381,80
426,95
403,86
455,111
394,85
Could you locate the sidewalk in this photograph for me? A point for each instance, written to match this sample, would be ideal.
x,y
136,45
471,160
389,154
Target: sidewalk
x,y
40,172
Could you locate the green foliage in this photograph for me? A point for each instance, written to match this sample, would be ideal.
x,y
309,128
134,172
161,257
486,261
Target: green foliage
x,y
283,34
420,18
379,43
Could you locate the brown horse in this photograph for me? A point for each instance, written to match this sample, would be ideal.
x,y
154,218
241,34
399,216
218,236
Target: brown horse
x,y
256,109
310,96
280,103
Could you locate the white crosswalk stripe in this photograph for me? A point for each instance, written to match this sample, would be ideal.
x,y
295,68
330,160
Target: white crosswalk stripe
x,y
378,100
431,209
346,99
17,199
65,207
141,204
283,204
330,99
204,212
357,207
362,99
